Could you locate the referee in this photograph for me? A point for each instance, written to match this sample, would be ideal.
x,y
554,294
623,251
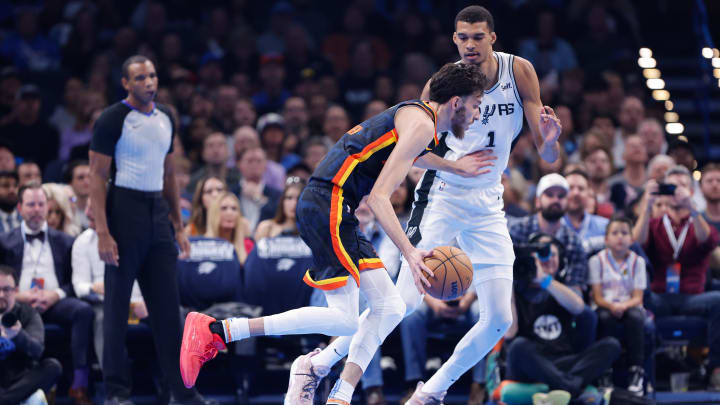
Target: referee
x,y
137,219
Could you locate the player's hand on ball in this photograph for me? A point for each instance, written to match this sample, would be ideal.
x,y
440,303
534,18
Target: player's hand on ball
x,y
108,249
550,126
474,164
415,259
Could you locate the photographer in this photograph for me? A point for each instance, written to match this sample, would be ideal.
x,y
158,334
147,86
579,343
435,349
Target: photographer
x,y
679,244
21,345
543,311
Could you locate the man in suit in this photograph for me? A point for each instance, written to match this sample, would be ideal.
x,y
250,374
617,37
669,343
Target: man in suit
x,y
9,216
258,201
42,258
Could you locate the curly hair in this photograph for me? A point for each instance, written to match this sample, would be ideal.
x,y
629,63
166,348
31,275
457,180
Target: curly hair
x,y
456,79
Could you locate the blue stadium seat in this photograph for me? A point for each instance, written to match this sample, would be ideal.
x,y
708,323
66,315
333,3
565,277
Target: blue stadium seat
x,y
210,275
273,274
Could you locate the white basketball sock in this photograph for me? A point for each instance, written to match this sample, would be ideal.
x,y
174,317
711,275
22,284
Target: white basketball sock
x,y
236,329
342,390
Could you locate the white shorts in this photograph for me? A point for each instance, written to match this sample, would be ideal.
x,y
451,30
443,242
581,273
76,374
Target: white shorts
x,y
469,218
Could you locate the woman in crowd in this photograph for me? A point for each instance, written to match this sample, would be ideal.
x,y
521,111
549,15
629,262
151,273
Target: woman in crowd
x,y
225,221
284,221
60,213
206,192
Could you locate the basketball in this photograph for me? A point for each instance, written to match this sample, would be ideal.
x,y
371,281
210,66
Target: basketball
x,y
453,273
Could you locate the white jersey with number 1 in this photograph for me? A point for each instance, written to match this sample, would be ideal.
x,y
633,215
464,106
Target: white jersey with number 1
x,y
500,122
468,212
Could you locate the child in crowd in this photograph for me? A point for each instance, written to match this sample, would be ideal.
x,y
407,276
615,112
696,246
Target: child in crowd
x,y
618,278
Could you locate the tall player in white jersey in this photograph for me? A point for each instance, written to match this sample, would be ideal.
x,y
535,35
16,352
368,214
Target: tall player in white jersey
x,y
468,211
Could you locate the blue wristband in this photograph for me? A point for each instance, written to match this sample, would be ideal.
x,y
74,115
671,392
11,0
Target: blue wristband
x,y
545,283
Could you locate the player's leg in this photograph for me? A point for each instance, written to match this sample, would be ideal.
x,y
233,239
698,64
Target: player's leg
x,y
431,224
495,318
386,310
203,336
487,241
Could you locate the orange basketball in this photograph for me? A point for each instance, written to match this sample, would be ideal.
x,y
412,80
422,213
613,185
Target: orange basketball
x,y
453,273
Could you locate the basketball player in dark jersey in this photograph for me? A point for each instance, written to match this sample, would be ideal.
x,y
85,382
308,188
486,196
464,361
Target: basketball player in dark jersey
x,y
370,159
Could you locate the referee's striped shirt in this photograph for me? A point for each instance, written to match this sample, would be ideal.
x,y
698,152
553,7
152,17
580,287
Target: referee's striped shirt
x,y
138,143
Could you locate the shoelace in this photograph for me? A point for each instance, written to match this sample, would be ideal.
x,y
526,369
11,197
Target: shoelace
x,y
311,382
209,353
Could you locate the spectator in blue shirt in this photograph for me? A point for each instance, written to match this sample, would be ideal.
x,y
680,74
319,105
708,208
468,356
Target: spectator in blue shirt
x,y
588,227
28,49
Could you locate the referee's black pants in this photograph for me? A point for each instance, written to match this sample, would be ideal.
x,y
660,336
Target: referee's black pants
x,y
139,223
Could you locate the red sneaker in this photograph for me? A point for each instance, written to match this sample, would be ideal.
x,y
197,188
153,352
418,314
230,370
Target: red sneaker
x,y
199,346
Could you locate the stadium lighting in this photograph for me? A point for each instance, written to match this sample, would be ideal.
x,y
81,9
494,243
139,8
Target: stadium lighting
x,y
651,73
716,53
716,73
671,117
669,105
656,84
647,63
661,95
707,53
716,62
645,53
697,175
674,128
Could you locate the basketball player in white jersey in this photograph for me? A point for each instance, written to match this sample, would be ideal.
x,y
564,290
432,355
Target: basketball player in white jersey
x,y
468,211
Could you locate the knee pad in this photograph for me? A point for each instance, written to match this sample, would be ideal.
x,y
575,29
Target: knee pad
x,y
412,301
392,312
347,324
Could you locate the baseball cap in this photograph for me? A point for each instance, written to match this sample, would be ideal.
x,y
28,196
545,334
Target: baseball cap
x,y
268,120
551,180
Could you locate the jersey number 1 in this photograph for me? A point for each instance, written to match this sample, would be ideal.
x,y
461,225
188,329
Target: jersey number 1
x,y
491,143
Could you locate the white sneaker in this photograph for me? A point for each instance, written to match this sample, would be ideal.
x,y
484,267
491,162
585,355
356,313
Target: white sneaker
x,y
425,398
304,379
37,398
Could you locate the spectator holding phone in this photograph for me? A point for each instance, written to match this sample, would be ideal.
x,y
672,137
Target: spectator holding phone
x,y
679,244
618,279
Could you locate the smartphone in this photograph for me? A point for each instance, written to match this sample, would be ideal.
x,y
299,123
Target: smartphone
x,y
665,189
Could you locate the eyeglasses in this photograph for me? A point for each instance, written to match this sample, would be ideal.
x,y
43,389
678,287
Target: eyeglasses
x,y
7,290
294,180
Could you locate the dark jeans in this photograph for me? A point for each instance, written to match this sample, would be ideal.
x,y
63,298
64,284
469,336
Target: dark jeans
x,y
633,320
146,245
706,305
572,372
586,323
42,376
79,316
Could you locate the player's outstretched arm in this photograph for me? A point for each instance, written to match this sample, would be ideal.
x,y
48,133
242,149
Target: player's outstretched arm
x,y
415,131
543,123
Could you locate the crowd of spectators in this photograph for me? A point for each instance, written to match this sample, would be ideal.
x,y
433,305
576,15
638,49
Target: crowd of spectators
x,y
261,90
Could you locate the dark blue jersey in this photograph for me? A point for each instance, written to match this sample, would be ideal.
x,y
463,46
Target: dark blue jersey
x,y
355,161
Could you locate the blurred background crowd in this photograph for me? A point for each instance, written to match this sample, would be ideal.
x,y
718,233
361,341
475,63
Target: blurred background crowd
x,y
260,91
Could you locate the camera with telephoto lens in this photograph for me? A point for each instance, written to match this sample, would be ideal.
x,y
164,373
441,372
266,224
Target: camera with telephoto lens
x,y
524,269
